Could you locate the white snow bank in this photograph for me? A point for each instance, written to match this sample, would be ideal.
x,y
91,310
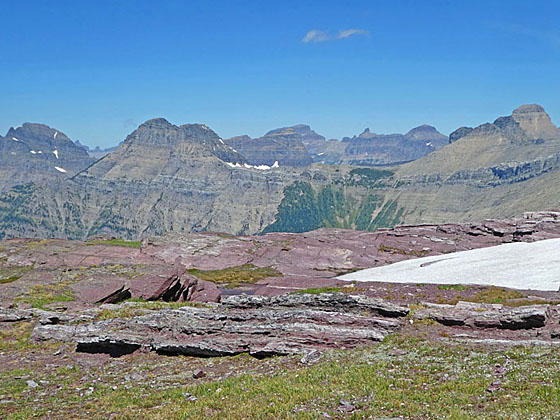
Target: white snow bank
x,y
14,139
55,152
519,265
60,169
247,166
33,152
55,134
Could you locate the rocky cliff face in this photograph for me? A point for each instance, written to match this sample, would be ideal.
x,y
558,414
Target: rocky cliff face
x,y
375,149
286,145
313,142
38,153
283,147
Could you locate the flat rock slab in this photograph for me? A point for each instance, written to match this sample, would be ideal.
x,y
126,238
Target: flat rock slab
x,y
271,326
519,265
326,301
478,315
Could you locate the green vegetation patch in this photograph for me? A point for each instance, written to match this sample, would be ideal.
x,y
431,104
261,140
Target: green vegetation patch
x,y
13,207
10,279
44,294
116,242
11,274
298,210
491,294
368,177
236,276
390,215
458,287
15,336
302,209
402,377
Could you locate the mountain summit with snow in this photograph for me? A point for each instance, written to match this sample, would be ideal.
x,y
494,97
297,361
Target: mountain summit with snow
x,y
37,153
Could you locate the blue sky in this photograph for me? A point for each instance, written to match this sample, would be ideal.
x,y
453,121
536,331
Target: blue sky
x,y
97,69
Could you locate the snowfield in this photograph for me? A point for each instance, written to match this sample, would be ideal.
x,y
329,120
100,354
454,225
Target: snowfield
x,y
247,166
519,265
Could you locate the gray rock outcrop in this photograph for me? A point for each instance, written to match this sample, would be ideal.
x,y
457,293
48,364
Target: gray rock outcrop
x,y
227,330
486,315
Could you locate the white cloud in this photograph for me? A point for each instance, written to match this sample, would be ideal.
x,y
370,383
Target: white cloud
x,y
316,35
346,33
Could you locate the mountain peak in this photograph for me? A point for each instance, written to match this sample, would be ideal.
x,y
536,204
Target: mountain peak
x,y
425,132
528,108
37,131
367,133
156,123
533,119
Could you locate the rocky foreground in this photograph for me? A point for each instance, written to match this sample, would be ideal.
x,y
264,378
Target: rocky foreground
x,y
217,326
305,324
267,295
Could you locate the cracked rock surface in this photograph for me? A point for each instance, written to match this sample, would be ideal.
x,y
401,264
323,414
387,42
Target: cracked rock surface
x,y
265,327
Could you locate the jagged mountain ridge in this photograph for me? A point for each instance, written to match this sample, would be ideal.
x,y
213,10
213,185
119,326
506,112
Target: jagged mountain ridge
x,y
389,149
158,148
182,178
38,153
162,178
368,149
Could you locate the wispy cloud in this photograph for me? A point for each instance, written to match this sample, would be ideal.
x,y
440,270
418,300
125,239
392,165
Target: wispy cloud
x,y
316,35
347,33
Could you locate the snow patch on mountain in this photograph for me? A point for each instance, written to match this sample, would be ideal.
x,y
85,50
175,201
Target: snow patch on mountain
x,y
247,166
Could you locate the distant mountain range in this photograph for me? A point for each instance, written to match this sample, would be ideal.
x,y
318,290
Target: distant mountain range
x,y
97,152
186,178
299,145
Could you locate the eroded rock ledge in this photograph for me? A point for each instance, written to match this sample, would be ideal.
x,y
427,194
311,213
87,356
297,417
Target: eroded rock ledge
x,y
260,326
478,315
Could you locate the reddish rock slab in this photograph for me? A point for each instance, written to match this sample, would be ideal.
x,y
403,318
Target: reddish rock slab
x,y
106,289
155,284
